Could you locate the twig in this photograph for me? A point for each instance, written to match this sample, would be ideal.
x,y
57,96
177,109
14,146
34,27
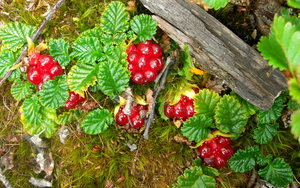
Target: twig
x,y
34,37
252,179
4,181
162,81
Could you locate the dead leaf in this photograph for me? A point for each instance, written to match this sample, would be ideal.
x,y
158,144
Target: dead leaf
x,y
109,184
181,139
149,100
120,179
63,133
178,123
216,84
7,160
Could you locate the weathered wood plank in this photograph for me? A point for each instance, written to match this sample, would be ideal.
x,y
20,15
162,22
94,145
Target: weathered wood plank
x,y
219,51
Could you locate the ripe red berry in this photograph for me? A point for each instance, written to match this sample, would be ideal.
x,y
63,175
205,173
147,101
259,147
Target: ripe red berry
x,y
73,100
42,68
216,152
182,110
145,62
134,120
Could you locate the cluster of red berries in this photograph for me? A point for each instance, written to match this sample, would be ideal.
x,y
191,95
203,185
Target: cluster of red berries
x,y
136,118
42,68
73,100
216,152
145,61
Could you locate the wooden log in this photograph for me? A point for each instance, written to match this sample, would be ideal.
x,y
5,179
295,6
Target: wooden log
x,y
219,51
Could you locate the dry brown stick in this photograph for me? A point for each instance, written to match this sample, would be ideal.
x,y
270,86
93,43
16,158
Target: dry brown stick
x,y
34,38
4,180
252,179
163,78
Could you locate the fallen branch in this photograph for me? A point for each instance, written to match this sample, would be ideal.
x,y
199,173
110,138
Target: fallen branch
x,y
34,38
4,181
162,81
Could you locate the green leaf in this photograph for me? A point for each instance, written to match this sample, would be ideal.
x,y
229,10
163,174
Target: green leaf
x,y
278,48
81,76
244,160
271,115
197,127
54,93
194,178
250,108
115,18
7,59
144,26
115,39
37,119
88,50
14,35
95,32
294,89
20,90
113,78
278,173
295,124
263,161
187,61
206,101
264,133
97,121
210,171
59,50
230,116
68,117
294,3
216,4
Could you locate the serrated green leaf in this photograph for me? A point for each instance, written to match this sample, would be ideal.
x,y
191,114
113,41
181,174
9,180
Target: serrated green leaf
x,y
20,90
250,108
278,48
113,78
187,61
161,109
59,50
230,116
271,115
37,119
293,105
264,133
97,121
14,35
115,18
194,178
144,26
54,93
263,161
278,173
244,160
294,3
31,108
206,101
294,90
95,32
197,128
81,76
115,39
210,171
88,50
216,4
295,124
68,117
118,54
7,59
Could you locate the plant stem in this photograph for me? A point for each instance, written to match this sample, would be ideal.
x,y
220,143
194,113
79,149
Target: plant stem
x,y
162,81
4,181
34,37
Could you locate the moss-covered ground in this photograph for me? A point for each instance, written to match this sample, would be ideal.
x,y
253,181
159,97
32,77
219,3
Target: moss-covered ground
x,y
93,161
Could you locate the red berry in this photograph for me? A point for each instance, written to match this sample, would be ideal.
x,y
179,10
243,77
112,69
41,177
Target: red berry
x,y
169,111
220,162
205,151
42,68
34,75
215,154
121,118
224,140
137,77
145,62
70,105
73,96
135,120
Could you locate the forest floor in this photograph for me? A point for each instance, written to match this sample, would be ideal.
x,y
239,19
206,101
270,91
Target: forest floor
x,y
106,160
